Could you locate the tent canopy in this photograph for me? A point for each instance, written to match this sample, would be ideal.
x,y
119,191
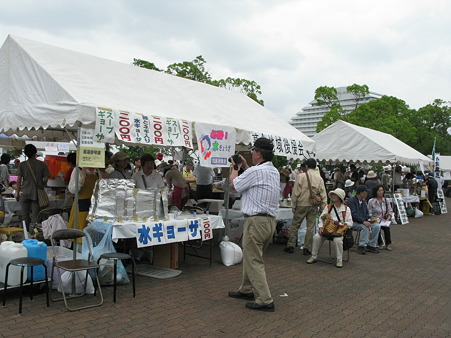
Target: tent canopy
x,y
445,163
346,142
44,88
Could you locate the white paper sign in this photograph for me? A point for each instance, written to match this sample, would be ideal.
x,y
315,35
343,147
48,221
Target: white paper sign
x,y
104,128
401,208
216,144
207,231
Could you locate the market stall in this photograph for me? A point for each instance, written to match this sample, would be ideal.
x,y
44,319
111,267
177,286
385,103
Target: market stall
x,y
346,142
53,94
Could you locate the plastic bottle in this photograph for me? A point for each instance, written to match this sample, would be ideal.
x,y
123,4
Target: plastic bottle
x,y
9,251
36,249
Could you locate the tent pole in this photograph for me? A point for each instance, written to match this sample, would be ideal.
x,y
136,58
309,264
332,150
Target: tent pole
x,y
77,174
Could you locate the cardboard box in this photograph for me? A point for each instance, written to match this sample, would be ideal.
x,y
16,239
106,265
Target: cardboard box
x,y
166,256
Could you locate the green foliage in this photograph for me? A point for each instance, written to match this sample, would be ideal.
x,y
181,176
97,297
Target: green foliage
x,y
326,96
359,92
334,114
137,151
145,64
279,162
195,70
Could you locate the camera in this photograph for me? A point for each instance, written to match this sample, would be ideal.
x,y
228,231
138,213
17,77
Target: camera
x,y
236,159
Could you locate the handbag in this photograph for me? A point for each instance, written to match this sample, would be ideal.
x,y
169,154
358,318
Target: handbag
x,y
315,197
43,198
348,240
331,227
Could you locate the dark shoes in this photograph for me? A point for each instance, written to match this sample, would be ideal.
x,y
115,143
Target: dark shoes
x,y
361,250
240,295
306,252
288,249
261,307
372,249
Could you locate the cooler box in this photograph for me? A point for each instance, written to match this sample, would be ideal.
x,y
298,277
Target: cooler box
x,y
36,249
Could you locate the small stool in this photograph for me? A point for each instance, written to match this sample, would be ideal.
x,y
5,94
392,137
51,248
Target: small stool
x,y
357,237
10,231
331,259
115,256
24,262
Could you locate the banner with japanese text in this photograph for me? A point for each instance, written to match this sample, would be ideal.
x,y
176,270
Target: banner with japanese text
x,y
283,146
104,128
152,130
215,144
172,231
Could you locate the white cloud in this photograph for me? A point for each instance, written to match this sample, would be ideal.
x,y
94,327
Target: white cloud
x,y
400,48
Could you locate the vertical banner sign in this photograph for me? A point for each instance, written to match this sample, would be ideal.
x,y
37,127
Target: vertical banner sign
x,y
187,134
283,146
124,126
104,129
158,131
441,201
401,208
141,125
216,144
437,166
91,153
207,231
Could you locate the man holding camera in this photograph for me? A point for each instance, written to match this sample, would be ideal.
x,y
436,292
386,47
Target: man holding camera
x,y
259,188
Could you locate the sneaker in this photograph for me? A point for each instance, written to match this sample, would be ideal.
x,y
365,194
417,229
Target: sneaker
x,y
311,260
288,249
380,247
306,252
388,247
372,249
361,250
339,264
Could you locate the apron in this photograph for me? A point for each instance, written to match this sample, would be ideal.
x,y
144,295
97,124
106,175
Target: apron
x,y
84,202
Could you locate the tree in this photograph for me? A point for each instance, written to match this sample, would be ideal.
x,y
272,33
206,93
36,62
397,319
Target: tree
x,y
195,70
328,96
433,122
387,114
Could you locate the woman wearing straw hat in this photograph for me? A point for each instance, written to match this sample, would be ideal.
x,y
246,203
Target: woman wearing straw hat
x,y
340,213
371,181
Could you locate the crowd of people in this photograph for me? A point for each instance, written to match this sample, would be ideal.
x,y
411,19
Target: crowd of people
x,y
352,199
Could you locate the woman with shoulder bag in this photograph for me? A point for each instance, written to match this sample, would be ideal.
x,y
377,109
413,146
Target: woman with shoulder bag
x,y
380,207
340,214
31,176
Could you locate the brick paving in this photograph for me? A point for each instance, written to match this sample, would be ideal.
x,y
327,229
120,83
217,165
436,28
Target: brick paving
x,y
402,293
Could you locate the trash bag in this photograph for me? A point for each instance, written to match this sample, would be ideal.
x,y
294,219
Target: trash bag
x,y
66,279
231,253
100,236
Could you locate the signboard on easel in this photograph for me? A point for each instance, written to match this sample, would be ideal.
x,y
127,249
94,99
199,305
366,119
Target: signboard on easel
x,y
442,202
401,208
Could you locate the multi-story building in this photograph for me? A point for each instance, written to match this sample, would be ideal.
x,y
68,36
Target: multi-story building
x,y
309,116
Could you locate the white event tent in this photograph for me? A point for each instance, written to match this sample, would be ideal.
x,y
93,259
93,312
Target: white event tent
x,y
346,142
46,91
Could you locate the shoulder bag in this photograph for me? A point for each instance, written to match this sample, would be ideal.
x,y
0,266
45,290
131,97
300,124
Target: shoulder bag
x,y
43,199
331,227
315,196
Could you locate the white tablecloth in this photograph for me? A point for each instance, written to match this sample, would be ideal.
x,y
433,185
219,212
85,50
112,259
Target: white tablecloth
x,y
282,213
128,230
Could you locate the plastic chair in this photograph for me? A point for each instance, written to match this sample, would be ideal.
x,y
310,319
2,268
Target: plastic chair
x,y
73,266
44,214
115,256
24,262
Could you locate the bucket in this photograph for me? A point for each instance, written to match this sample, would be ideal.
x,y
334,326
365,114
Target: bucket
x,y
36,249
9,251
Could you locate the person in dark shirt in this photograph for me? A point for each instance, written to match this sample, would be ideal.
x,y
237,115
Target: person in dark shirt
x,y
369,230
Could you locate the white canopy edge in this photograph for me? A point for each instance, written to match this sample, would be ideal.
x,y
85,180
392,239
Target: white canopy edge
x,y
45,88
346,142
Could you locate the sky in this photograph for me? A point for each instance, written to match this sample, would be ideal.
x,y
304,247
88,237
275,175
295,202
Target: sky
x,y
400,48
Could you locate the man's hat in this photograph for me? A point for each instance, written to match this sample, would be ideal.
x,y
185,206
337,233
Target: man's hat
x,y
263,143
159,156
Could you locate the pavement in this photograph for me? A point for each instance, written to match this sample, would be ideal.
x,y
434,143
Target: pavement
x,y
402,293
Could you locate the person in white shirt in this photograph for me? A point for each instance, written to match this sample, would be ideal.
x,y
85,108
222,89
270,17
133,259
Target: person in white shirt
x,y
148,177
